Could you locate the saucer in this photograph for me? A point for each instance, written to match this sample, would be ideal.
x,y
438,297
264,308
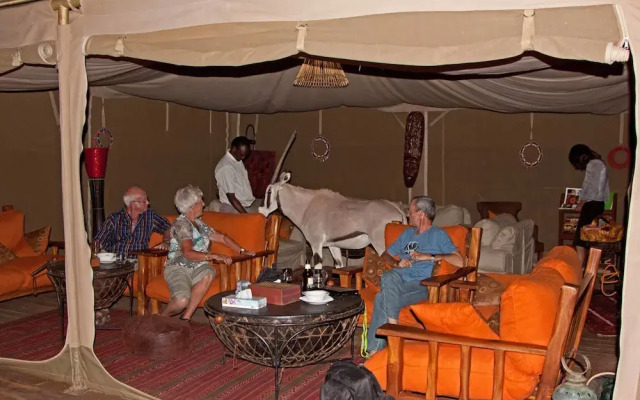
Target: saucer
x,y
324,301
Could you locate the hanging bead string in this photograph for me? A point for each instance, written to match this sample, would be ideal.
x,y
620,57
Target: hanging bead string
x,y
530,126
102,115
210,122
166,123
255,127
621,133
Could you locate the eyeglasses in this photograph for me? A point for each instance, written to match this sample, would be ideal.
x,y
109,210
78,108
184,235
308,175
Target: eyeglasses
x,y
145,200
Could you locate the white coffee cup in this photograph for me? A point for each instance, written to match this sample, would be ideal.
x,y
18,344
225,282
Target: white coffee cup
x,y
106,257
316,295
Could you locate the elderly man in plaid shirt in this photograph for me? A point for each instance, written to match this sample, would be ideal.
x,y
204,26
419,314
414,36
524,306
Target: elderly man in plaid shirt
x,y
129,230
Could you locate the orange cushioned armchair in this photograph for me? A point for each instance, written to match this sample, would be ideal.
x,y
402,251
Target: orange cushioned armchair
x,y
438,284
252,231
21,255
541,316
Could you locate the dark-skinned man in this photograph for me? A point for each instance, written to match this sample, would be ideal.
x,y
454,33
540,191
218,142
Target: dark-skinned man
x,y
232,179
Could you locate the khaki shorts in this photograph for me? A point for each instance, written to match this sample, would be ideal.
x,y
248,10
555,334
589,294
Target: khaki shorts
x,y
181,279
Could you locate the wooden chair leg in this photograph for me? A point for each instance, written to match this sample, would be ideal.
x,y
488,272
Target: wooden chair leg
x,y
142,303
155,306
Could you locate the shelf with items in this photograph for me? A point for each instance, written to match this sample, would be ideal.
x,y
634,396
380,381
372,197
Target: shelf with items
x,y
568,220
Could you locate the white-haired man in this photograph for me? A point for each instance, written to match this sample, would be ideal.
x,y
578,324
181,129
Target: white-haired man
x,y
417,249
129,229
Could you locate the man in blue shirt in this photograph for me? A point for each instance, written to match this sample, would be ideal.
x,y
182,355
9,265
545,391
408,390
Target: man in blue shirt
x,y
130,228
418,249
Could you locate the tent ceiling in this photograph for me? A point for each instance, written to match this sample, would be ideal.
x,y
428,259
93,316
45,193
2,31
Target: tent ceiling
x,y
523,84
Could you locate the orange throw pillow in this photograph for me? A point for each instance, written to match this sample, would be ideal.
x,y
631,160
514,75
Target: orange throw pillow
x,y
39,239
454,318
492,214
6,254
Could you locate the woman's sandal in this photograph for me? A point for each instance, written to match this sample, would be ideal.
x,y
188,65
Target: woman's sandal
x,y
185,319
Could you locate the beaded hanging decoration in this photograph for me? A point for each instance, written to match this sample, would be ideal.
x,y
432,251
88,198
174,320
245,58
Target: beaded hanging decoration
x,y
97,142
530,144
319,142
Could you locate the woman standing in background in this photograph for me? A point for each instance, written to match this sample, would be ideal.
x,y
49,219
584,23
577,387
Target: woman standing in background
x,y
594,192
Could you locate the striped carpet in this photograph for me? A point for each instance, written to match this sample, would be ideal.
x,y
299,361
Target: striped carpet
x,y
199,375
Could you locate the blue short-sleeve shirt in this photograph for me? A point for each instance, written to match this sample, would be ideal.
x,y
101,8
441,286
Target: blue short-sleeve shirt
x,y
432,241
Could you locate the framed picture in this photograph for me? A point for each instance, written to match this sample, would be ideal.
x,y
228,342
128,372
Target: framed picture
x,y
571,198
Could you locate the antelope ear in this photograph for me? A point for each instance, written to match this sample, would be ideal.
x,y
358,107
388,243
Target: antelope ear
x,y
284,177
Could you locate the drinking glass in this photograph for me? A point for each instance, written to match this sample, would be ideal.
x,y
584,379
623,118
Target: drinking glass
x,y
287,275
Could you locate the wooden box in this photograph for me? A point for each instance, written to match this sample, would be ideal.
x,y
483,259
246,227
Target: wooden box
x,y
276,293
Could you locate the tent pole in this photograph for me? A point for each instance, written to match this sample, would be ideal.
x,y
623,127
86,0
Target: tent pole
x,y
7,3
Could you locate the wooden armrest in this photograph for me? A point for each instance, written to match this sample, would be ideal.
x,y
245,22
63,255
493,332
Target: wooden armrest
x,y
420,334
441,280
464,285
151,253
244,257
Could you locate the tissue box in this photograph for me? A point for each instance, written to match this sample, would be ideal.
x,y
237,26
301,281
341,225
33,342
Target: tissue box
x,y
277,293
252,303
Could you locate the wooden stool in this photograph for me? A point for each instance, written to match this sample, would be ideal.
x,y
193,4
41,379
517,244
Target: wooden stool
x,y
346,273
157,337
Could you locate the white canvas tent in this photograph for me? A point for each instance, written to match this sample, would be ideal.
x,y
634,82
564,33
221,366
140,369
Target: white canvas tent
x,y
476,54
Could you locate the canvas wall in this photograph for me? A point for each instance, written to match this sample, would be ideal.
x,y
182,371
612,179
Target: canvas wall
x,y
473,155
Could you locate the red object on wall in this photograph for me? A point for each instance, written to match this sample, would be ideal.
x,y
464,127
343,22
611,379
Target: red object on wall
x,y
95,161
260,166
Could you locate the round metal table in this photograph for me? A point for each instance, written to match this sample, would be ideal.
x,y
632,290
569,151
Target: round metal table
x,y
292,335
109,282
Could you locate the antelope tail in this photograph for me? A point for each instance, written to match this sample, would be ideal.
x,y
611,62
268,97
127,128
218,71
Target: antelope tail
x,y
281,161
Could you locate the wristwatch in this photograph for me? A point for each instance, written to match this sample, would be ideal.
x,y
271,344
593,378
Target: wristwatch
x,y
241,250
433,258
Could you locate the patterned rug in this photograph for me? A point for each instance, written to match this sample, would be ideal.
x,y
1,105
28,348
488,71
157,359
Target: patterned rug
x,y
199,375
603,317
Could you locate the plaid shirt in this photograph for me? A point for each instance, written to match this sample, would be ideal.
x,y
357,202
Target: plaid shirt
x,y
116,235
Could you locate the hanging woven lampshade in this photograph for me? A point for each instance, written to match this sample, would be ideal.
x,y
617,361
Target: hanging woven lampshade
x,y
321,74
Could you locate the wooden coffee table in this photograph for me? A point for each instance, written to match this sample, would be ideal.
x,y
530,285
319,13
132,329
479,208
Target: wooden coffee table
x,y
293,335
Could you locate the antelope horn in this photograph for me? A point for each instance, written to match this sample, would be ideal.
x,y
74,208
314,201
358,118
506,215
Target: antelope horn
x,y
281,161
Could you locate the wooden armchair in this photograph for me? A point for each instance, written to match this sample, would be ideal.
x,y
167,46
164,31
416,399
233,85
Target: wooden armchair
x,y
565,337
243,267
438,285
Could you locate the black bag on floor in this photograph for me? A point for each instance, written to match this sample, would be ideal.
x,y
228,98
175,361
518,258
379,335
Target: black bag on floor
x,y
348,381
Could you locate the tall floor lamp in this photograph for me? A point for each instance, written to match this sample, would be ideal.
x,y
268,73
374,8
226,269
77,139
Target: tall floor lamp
x,y
95,162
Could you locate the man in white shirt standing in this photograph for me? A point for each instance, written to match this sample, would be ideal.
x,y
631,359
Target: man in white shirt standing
x,y
232,179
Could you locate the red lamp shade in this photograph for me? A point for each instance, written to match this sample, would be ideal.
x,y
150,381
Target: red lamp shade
x,y
95,161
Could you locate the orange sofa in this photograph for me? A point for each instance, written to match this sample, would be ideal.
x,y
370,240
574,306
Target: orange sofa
x,y
252,231
15,274
528,309
458,234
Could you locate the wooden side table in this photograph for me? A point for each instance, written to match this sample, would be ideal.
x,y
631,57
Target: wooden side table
x,y
109,283
346,273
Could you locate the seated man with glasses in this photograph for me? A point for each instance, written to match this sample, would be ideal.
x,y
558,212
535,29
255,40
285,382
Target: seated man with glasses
x,y
129,229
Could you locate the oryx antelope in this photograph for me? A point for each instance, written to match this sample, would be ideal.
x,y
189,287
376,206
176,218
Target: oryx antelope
x,y
328,219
